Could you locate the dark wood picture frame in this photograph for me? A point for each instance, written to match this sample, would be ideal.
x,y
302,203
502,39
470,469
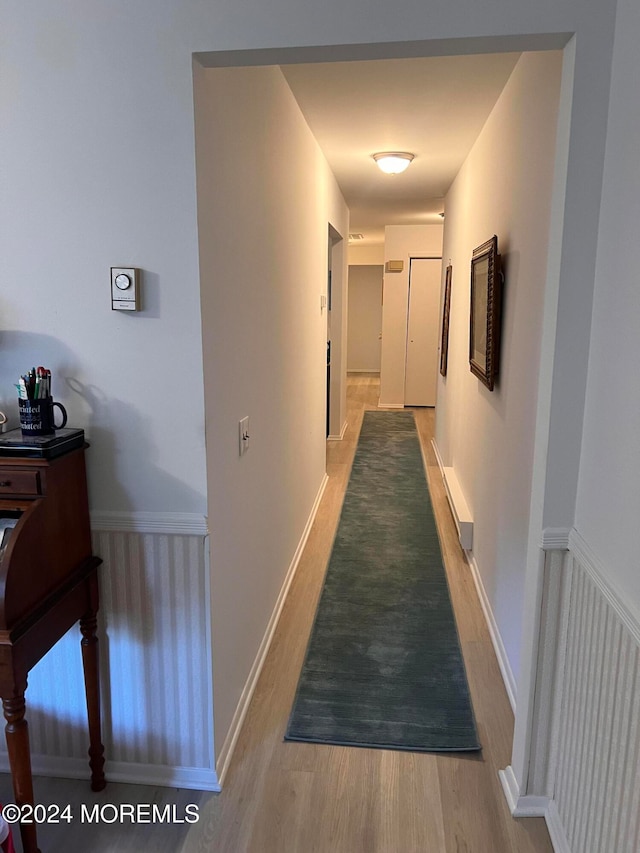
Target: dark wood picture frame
x,y
486,306
446,309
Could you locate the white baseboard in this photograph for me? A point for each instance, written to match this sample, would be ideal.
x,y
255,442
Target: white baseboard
x,y
436,450
527,806
556,829
224,758
459,508
457,502
191,778
341,436
382,405
373,370
509,786
496,639
530,806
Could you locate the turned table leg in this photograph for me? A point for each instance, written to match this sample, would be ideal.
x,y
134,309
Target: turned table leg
x,y
89,644
17,734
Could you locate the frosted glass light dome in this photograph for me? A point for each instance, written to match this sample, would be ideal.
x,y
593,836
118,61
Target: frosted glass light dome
x,y
393,162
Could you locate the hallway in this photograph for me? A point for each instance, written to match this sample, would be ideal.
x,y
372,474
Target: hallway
x,y
296,798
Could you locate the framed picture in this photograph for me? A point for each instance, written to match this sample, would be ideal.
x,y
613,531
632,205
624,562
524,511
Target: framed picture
x,y
446,308
486,303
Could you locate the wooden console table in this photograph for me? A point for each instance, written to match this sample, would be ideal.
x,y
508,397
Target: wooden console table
x,y
48,581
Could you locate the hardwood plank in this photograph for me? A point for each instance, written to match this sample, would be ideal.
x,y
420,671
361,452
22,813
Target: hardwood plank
x,y
125,837
305,798
410,806
332,799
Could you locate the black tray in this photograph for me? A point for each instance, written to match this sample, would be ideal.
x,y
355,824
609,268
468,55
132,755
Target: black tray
x,y
14,443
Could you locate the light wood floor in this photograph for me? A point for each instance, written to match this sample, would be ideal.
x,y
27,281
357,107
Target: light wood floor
x,y
301,798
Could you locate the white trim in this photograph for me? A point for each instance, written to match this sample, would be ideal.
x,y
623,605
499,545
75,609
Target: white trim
x,y
342,432
496,639
436,450
457,502
224,758
375,371
382,405
541,491
547,710
556,829
459,508
594,567
509,786
555,539
209,654
527,806
191,778
181,523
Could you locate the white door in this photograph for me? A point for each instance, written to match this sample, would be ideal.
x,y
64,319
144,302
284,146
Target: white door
x,y
422,332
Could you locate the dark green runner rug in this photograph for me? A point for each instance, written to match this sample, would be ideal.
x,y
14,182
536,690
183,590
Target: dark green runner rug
x,y
383,666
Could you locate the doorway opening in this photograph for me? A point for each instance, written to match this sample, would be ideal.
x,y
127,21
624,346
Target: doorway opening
x,y
251,58
336,336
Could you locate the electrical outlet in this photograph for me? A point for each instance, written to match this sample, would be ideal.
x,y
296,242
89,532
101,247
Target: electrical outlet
x,y
244,435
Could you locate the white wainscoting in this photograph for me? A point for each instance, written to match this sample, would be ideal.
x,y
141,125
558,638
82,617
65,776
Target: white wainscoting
x,y
155,650
585,763
597,732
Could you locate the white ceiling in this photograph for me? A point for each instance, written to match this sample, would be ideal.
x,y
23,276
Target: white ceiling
x,y
433,107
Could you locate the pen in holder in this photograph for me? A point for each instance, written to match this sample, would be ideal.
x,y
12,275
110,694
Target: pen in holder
x,y
38,418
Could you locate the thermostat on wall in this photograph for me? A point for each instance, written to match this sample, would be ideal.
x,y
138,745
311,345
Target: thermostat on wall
x,y
125,289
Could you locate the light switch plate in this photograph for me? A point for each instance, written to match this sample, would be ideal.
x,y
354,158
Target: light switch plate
x,y
244,435
125,289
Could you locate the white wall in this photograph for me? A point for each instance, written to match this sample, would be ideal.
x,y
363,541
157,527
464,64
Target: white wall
x,y
99,169
503,188
365,318
100,173
367,255
401,242
608,504
72,77
265,196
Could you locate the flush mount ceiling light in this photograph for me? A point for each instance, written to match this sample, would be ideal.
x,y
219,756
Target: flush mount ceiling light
x,y
393,162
